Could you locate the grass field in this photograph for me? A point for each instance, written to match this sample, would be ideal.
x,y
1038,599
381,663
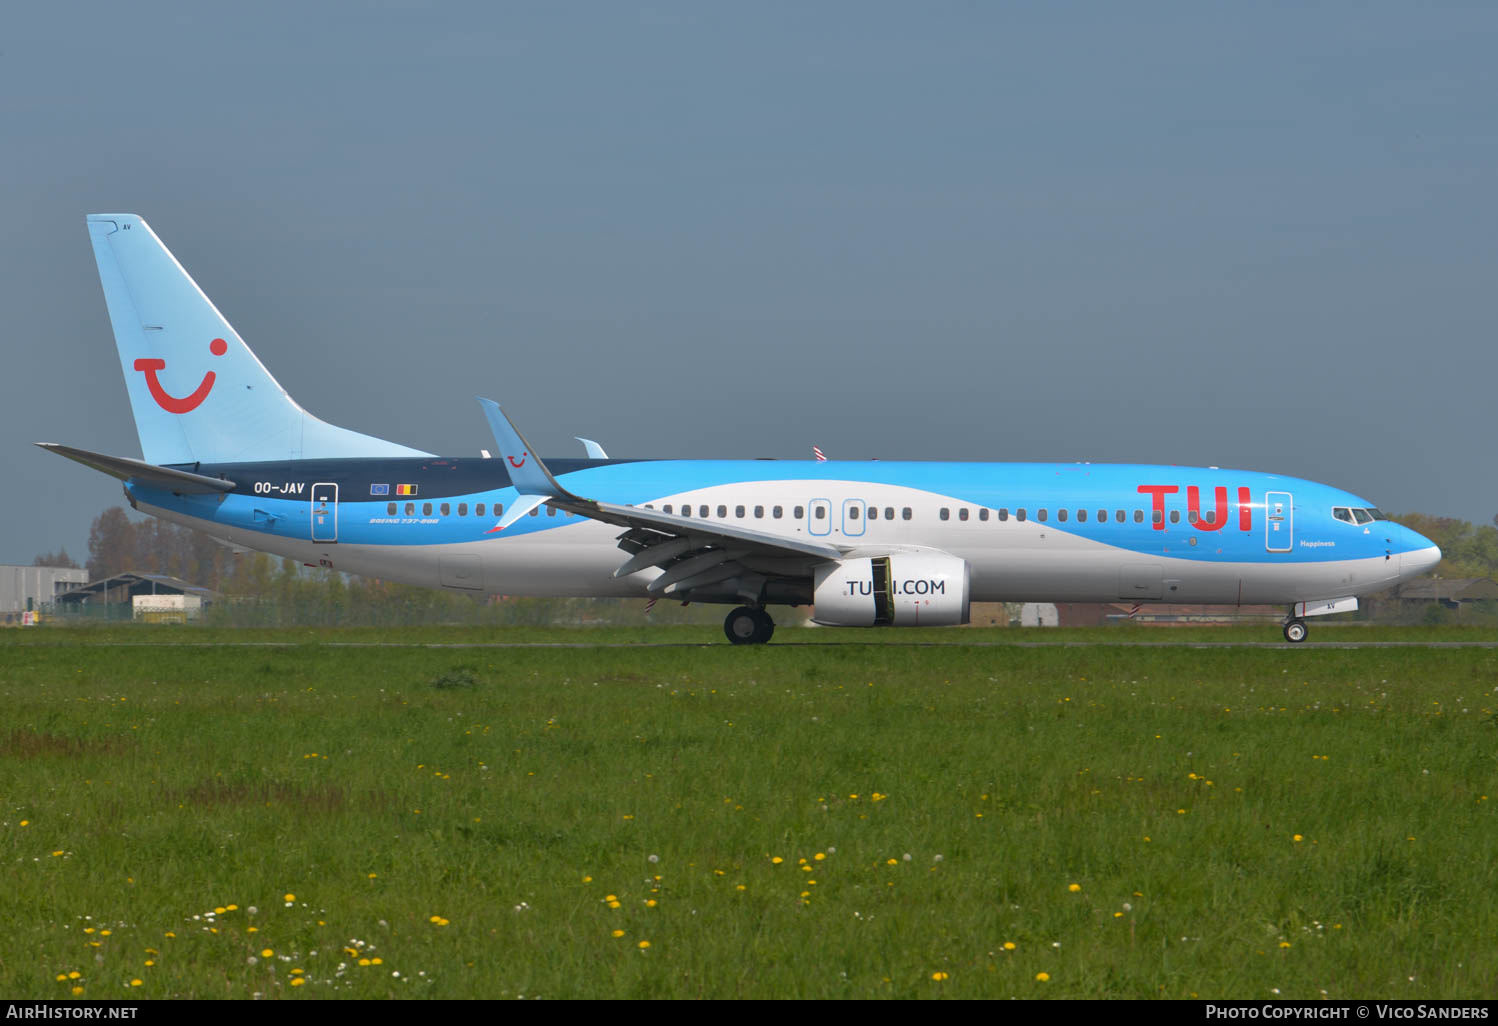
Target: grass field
x,y
224,814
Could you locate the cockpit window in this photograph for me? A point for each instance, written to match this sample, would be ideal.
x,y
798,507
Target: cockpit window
x,y
1362,516
1376,515
1342,513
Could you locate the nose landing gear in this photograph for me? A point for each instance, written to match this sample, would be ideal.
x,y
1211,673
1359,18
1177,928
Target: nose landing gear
x,y
1295,630
748,626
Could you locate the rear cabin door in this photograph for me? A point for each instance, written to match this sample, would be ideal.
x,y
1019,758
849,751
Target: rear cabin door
x,y
325,512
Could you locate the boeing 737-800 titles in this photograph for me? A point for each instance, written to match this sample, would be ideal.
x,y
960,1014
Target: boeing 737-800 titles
x,y
228,452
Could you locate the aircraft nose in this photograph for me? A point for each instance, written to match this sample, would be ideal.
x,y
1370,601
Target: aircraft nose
x,y
1421,556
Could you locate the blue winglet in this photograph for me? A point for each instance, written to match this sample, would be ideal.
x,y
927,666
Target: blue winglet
x,y
527,473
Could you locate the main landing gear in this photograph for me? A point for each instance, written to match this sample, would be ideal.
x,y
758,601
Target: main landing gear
x,y
1295,630
748,626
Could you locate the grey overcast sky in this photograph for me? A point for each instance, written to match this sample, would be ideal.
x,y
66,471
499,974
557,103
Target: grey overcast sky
x,y
1257,235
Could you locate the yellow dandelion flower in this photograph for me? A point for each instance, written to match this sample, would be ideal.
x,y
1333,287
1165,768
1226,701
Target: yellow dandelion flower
x,y
169,933
938,976
75,974
643,945
1284,944
25,822
819,856
55,854
220,910
364,961
376,961
650,903
267,953
62,977
587,879
298,981
150,961
1042,977
288,897
611,897
298,972
1074,888
1297,838
247,929
617,933
135,983
1009,945
232,908
776,860
77,991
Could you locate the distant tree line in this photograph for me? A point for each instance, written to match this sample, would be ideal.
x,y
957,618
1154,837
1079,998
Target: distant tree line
x,y
256,589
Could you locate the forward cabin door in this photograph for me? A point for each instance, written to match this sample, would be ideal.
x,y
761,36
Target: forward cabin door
x,y
325,512
1279,522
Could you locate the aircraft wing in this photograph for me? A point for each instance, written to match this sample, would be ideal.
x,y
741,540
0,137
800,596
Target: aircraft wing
x,y
180,481
692,554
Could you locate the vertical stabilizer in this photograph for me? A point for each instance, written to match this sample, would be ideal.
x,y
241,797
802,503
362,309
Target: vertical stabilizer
x,y
197,392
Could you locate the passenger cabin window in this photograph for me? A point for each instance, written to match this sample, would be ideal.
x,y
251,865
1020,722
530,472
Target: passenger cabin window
x,y
889,513
852,512
478,510
945,514
1040,515
962,513
905,513
390,509
1019,514
759,512
820,513
777,512
800,512
702,511
738,511
551,511
410,509
1061,515
873,512
462,509
666,508
722,512
1102,516
686,510
1175,516
1157,517
1119,516
446,509
1138,516
983,514
426,509
535,511
1191,515
1003,514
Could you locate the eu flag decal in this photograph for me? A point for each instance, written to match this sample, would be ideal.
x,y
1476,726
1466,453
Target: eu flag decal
x,y
379,489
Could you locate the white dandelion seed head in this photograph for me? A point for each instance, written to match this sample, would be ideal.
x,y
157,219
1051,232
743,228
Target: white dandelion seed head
x,y
652,858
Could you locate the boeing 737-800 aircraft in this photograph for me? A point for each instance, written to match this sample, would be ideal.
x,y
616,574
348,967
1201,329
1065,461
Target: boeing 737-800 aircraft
x,y
227,451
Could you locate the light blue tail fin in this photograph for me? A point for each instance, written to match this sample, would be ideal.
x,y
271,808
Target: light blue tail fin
x,y
197,392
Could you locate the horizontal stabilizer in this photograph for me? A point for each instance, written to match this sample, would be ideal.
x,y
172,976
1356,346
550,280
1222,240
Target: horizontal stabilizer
x,y
180,481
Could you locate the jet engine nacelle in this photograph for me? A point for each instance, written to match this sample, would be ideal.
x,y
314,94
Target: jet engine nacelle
x,y
903,589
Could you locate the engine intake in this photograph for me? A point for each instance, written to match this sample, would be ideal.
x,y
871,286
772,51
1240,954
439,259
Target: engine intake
x,y
904,589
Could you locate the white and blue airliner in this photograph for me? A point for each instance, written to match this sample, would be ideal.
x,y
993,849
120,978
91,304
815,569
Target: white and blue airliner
x,y
227,451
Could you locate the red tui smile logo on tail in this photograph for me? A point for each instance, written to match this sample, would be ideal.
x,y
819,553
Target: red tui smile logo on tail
x,y
165,399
